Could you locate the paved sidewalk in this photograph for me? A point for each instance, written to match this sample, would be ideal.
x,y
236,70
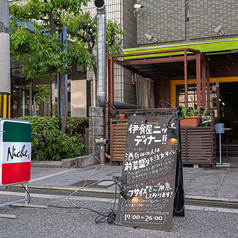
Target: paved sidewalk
x,y
220,184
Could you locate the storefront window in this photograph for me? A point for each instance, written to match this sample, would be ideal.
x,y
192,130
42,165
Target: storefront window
x,y
20,101
40,100
192,96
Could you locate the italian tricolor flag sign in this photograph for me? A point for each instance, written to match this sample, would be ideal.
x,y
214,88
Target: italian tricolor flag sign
x,y
15,151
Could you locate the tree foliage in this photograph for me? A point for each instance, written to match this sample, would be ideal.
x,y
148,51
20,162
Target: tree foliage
x,y
34,38
50,143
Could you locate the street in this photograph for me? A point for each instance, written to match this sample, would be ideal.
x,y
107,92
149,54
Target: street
x,y
199,221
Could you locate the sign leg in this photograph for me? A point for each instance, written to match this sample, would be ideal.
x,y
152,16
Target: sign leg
x,y
179,198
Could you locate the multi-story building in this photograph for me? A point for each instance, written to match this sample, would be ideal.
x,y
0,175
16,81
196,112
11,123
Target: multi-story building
x,y
208,27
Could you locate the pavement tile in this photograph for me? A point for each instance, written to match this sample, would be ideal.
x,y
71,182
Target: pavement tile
x,y
203,182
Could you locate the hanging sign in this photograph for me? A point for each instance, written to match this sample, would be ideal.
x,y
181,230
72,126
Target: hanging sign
x,y
149,167
15,154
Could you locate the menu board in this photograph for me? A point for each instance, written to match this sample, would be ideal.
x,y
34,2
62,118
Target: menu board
x,y
149,167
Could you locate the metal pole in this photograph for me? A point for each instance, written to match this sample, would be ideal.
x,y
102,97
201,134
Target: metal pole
x,y
198,78
101,52
5,86
64,39
208,89
27,193
94,90
203,84
220,146
227,145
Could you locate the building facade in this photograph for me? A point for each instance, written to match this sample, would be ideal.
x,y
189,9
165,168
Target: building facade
x,y
211,27
208,26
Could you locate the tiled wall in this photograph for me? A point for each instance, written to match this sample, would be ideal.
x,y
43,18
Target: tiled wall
x,y
122,12
205,15
165,20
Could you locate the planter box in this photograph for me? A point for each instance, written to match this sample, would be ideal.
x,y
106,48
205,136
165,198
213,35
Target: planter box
x,y
190,122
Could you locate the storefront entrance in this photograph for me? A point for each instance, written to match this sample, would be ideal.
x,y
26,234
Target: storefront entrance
x,y
224,103
229,109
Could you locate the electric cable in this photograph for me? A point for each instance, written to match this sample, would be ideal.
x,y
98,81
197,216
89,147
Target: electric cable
x,y
85,182
110,216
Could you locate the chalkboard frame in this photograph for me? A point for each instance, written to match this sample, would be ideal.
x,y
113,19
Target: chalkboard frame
x,y
178,196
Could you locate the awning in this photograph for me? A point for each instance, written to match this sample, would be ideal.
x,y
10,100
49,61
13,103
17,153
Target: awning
x,y
202,46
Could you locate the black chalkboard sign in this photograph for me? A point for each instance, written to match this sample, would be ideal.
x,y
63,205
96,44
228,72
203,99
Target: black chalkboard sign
x,y
149,169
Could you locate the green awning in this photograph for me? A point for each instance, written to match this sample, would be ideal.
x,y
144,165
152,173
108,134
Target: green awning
x,y
202,46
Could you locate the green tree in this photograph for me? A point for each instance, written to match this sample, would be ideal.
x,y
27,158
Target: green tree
x,y
39,45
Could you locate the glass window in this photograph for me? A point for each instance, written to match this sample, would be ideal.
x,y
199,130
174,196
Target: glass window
x,y
20,100
192,95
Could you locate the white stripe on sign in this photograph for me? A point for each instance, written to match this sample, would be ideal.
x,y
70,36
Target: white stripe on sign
x,y
16,152
52,175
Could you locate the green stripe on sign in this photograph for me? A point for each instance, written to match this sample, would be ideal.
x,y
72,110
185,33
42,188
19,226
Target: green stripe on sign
x,y
16,132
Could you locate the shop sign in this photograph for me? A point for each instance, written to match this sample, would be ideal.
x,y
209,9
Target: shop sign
x,y
149,167
15,154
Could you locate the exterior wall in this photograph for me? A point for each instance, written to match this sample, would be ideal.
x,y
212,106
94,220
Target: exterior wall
x,y
163,19
130,40
207,15
166,20
96,129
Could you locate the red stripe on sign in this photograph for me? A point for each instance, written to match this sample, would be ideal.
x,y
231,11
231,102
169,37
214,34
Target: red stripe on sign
x,y
16,173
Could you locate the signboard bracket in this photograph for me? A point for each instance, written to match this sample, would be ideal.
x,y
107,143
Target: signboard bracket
x,y
179,198
18,203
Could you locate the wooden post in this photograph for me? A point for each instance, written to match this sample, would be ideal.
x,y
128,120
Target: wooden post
x,y
198,78
203,84
208,88
111,82
186,78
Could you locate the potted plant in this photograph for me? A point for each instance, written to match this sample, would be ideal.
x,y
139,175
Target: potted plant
x,y
193,116
122,116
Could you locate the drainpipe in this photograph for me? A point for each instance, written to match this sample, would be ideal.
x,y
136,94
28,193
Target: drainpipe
x,y
101,51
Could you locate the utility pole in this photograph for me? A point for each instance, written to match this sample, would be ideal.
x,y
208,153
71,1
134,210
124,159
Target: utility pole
x,y
5,89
